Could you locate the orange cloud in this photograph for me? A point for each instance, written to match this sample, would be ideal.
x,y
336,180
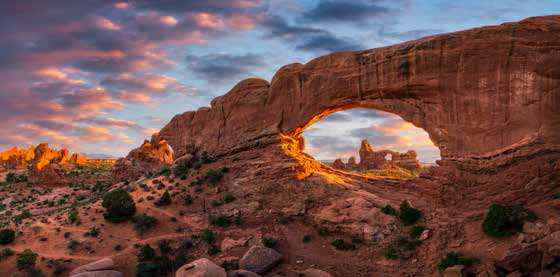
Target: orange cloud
x,y
106,23
208,20
94,133
168,20
121,5
243,22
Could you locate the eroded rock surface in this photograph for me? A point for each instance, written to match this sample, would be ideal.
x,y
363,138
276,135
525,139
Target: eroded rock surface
x,y
149,158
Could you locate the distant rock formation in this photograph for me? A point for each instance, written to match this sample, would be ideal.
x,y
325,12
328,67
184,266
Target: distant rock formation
x,y
148,158
370,159
339,164
16,157
78,159
48,165
352,161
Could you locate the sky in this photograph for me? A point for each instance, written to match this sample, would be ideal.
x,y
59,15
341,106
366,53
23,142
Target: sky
x,y
99,76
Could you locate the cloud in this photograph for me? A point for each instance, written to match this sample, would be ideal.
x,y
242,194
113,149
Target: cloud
x,y
307,38
225,67
344,10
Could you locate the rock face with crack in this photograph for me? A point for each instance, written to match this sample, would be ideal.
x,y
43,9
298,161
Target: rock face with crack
x,y
486,97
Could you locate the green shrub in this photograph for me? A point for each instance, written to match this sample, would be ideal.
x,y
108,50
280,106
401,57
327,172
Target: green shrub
x,y
399,247
220,220
143,222
165,171
164,200
408,215
213,176
147,253
119,206
118,247
213,250
391,252
269,242
7,236
306,238
72,244
207,236
26,259
453,259
504,221
389,210
164,246
228,197
73,215
416,231
340,244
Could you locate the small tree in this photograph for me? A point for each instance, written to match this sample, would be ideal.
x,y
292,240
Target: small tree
x,y
164,200
119,206
26,259
408,215
7,236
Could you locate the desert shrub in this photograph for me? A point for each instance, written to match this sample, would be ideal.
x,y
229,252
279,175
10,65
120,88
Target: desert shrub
x,y
164,200
6,252
72,244
400,246
269,242
73,215
66,235
158,266
207,236
391,252
118,247
119,206
93,232
7,236
215,203
389,210
147,253
416,231
228,197
187,199
340,244
143,222
164,246
13,178
306,238
219,220
26,259
407,214
213,176
213,250
453,259
165,171
504,221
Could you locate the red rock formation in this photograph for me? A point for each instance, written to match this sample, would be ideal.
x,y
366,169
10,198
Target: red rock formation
x,y
352,161
339,164
148,158
16,158
480,94
48,165
406,160
78,159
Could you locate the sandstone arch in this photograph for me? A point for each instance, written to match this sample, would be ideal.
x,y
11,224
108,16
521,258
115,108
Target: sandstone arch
x,y
480,94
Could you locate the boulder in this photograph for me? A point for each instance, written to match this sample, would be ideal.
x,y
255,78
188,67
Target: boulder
x,y
260,259
200,268
242,273
100,273
522,258
454,271
313,272
103,264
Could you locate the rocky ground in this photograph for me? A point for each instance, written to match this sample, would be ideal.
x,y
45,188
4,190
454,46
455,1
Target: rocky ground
x,y
334,222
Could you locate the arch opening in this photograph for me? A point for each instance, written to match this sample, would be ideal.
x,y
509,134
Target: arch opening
x,y
370,142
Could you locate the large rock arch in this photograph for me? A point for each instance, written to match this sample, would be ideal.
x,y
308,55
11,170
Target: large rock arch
x,y
480,94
